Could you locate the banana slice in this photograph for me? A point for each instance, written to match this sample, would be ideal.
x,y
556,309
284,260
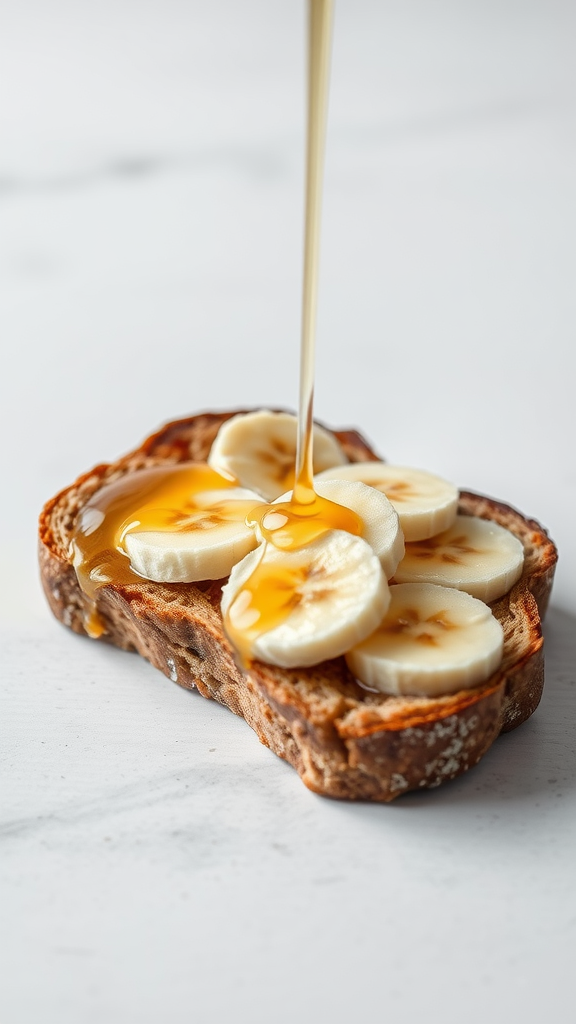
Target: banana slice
x,y
380,525
201,541
259,449
474,555
425,503
298,608
432,640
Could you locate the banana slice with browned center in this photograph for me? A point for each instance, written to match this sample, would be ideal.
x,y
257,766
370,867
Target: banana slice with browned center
x,y
426,504
198,539
259,450
432,640
475,555
298,608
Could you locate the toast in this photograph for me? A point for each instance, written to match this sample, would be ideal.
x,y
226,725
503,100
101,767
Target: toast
x,y
343,740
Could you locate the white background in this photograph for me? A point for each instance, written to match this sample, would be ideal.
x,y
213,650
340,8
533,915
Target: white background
x,y
157,863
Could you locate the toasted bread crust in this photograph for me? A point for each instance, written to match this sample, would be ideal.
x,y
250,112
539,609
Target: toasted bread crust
x,y
343,740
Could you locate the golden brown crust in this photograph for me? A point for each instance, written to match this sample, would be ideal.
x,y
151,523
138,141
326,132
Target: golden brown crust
x,y
343,740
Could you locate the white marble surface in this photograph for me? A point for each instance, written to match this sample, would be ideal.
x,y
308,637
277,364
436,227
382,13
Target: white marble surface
x,y
156,862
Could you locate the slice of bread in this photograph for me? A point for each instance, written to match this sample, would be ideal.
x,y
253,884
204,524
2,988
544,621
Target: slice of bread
x,y
343,740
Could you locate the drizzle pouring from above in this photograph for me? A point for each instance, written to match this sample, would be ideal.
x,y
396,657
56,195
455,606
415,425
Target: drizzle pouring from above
x,y
271,591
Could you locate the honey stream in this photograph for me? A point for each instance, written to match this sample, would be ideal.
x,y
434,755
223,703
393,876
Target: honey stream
x,y
270,593
320,13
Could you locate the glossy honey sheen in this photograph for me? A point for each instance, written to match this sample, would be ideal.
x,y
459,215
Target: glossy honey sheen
x,y
288,525
265,601
273,590
158,498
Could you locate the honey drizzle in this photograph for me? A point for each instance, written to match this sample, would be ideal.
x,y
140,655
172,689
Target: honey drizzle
x,y
275,588
147,499
319,39
289,526
271,591
265,601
